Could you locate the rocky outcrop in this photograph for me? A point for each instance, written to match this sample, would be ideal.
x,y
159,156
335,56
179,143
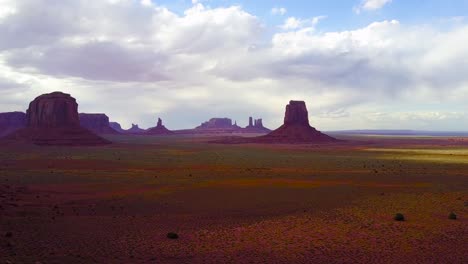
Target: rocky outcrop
x,y
116,126
52,119
135,130
11,121
97,123
159,129
295,129
256,126
216,123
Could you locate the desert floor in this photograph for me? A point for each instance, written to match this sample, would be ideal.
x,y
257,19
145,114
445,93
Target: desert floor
x,y
235,203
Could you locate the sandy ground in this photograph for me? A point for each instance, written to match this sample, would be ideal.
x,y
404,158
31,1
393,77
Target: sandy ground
x,y
236,203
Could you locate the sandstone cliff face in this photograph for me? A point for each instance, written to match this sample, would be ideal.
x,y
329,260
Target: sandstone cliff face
x,y
296,114
52,119
97,123
53,110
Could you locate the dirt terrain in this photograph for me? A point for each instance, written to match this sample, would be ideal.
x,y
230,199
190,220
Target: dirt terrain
x,y
246,203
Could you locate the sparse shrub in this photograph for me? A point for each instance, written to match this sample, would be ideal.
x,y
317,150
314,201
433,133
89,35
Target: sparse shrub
x,y
452,216
172,235
399,217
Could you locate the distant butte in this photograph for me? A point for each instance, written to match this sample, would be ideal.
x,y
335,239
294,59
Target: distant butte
x,y
295,129
159,129
11,121
52,119
97,123
135,129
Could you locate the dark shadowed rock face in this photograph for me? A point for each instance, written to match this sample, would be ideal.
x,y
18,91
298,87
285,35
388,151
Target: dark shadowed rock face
x,y
116,126
135,129
296,113
52,119
159,129
98,123
53,110
11,121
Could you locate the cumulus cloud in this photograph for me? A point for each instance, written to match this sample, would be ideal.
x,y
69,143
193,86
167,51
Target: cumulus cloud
x,y
371,5
278,11
141,60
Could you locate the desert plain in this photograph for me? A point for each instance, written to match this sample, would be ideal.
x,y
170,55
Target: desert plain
x,y
235,203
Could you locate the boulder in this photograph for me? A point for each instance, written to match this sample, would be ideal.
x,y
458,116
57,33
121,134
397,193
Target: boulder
x,y
52,119
97,123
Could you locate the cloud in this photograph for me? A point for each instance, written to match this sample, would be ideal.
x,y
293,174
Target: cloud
x,y
140,60
296,23
278,11
371,5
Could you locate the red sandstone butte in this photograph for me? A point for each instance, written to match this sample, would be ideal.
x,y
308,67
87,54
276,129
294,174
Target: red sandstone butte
x,y
52,119
295,129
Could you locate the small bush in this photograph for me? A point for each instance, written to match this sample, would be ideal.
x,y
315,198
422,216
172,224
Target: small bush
x,y
172,235
452,216
399,217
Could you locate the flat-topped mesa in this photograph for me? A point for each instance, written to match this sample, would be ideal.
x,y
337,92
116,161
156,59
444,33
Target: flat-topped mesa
x,y
52,119
97,123
11,121
216,123
53,110
296,113
159,129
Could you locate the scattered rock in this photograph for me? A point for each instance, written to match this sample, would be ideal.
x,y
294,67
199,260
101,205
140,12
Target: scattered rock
x,y
399,217
452,216
172,235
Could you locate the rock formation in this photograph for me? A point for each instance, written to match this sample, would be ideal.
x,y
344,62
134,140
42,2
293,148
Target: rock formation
x,y
52,119
159,129
255,126
97,123
11,121
216,123
116,126
295,129
135,130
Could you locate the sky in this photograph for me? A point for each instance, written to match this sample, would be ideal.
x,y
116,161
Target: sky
x,y
358,64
